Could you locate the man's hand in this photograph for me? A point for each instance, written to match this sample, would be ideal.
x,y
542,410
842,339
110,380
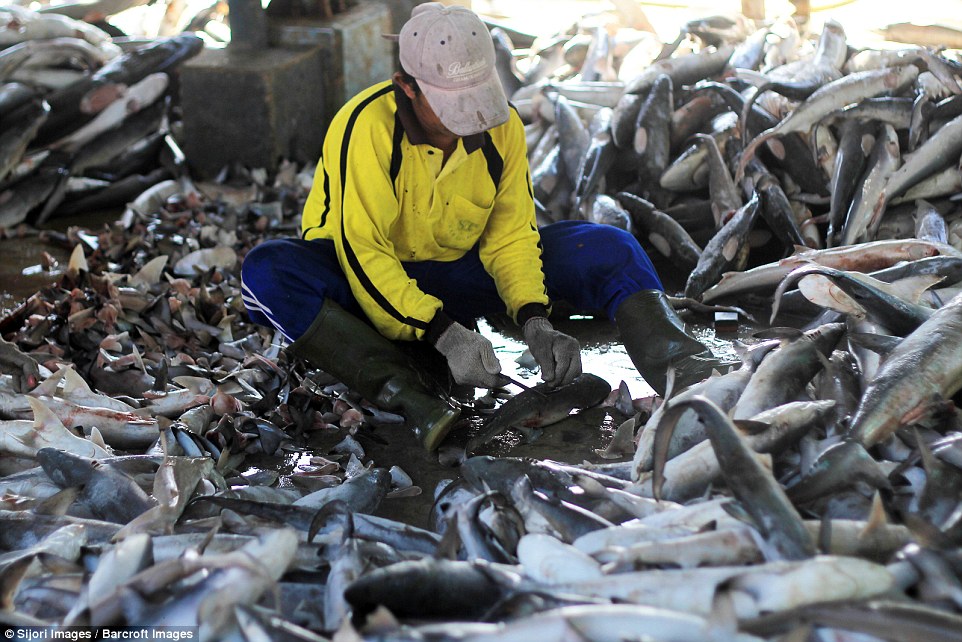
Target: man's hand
x,y
558,354
470,356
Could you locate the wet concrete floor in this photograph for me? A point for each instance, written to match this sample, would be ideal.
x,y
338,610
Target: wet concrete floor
x,y
573,440
22,270
34,260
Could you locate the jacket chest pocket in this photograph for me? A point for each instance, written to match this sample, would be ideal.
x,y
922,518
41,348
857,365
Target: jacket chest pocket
x,y
462,223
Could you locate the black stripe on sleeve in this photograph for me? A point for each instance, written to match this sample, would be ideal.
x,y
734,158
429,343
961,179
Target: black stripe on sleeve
x,y
396,156
327,201
494,160
327,197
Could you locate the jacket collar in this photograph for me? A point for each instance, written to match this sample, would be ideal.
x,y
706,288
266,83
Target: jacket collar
x,y
412,127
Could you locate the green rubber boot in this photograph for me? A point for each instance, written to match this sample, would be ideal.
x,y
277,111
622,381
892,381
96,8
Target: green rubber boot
x,y
347,348
655,338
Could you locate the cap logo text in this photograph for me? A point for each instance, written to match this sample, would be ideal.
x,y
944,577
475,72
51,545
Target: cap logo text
x,y
460,71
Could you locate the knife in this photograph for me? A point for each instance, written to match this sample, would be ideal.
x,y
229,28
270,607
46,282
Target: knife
x,y
522,385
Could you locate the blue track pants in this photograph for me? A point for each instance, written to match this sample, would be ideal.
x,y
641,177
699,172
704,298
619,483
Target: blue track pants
x,y
590,266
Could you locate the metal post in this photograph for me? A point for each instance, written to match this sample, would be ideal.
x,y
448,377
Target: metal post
x,y
803,10
753,9
248,24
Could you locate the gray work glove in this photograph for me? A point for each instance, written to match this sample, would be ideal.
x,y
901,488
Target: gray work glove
x,y
558,354
470,356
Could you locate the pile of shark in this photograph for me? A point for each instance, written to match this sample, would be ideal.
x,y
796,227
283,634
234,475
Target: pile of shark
x,y
84,122
814,493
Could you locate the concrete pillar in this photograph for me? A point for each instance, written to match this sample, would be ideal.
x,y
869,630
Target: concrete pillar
x,y
248,24
400,12
259,105
254,107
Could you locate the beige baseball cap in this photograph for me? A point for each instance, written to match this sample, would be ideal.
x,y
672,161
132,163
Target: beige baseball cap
x,y
450,53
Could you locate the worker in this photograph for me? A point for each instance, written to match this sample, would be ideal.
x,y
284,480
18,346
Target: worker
x,y
421,220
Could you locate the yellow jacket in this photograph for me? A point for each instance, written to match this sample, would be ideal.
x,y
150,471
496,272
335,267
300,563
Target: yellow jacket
x,y
381,194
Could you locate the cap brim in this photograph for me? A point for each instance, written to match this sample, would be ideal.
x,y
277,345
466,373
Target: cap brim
x,y
471,110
